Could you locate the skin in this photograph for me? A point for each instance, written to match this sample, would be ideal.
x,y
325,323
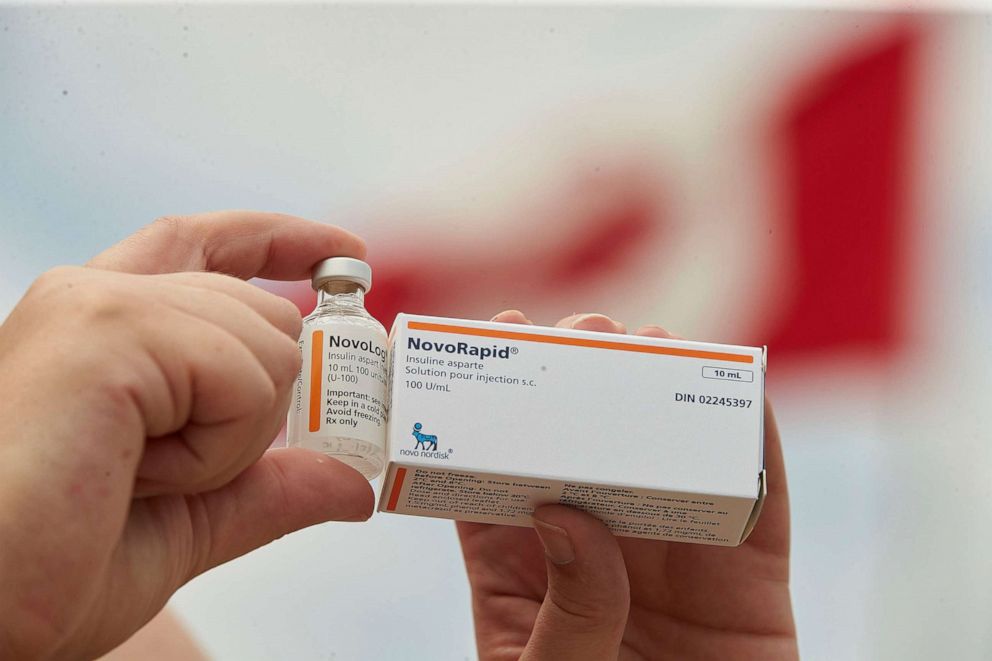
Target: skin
x,y
163,639
573,591
138,396
136,405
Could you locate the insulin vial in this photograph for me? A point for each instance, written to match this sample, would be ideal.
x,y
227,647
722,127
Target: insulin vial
x,y
339,402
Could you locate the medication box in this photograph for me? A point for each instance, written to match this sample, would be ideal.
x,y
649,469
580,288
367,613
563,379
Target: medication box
x,y
660,439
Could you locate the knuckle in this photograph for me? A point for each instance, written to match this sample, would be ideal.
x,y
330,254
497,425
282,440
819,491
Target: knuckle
x,y
56,280
85,296
215,281
103,304
290,316
171,230
289,361
169,225
206,471
266,393
59,274
593,610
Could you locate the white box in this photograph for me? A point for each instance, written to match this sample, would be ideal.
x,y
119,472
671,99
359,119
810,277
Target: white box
x,y
658,438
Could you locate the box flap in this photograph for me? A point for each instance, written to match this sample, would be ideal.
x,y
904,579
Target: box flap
x,y
756,511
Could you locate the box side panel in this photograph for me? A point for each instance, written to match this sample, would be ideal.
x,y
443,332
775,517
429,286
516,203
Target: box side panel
x,y
508,500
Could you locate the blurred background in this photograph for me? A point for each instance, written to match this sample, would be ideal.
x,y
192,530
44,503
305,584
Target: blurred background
x,y
814,179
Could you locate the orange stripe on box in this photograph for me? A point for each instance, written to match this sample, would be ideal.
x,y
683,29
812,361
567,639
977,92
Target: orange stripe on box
x,y
580,342
316,378
394,495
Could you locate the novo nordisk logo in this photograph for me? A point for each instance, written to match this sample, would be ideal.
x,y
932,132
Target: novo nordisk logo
x,y
426,445
464,348
424,441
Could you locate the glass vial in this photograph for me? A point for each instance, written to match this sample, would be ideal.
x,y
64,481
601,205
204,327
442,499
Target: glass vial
x,y
339,402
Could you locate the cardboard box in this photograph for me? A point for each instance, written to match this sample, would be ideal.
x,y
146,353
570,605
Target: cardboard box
x,y
660,439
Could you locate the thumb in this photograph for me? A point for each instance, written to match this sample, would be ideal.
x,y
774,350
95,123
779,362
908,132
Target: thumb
x,y
585,610
284,491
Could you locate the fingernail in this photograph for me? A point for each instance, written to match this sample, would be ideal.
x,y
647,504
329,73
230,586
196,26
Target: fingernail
x,y
581,319
652,330
511,313
557,545
356,518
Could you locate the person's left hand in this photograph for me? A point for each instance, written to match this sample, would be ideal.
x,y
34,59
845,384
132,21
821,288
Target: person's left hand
x,y
137,399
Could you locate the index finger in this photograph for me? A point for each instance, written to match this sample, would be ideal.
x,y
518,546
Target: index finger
x,y
245,244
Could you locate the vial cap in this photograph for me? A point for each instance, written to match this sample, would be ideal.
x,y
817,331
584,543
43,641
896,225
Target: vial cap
x,y
342,268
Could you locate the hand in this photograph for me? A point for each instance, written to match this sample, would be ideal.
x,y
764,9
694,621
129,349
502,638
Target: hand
x,y
135,404
574,591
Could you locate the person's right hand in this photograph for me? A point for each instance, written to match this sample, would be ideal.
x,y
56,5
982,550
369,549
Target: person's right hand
x,y
573,591
136,405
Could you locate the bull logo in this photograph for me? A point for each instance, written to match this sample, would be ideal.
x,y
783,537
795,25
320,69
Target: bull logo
x,y
424,441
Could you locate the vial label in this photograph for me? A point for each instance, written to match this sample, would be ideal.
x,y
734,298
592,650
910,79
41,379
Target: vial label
x,y
341,390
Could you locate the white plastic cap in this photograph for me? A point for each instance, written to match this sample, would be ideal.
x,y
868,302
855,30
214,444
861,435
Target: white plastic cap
x,y
342,268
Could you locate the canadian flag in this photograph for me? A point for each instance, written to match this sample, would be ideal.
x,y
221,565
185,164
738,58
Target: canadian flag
x,y
792,233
